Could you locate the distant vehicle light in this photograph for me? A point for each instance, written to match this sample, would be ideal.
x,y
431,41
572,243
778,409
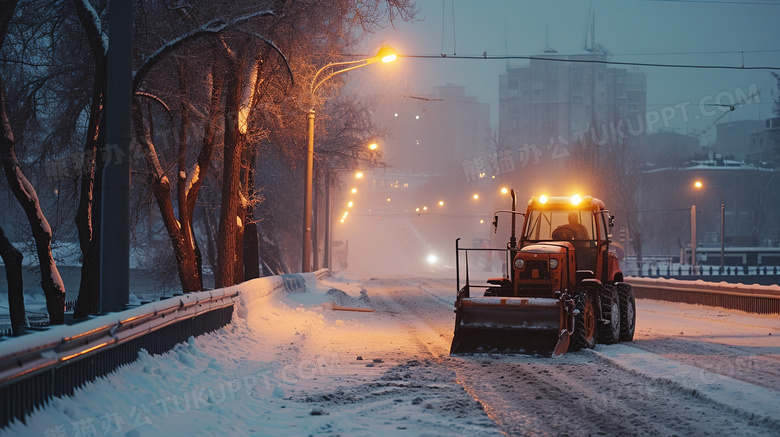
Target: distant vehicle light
x,y
432,259
519,263
576,199
542,199
553,263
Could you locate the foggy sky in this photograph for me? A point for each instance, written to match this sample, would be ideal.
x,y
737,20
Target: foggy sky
x,y
678,32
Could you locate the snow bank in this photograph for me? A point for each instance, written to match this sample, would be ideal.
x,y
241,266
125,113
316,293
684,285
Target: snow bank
x,y
737,395
252,292
702,285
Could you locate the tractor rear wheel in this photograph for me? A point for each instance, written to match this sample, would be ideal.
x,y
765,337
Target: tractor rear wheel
x,y
627,311
609,333
584,323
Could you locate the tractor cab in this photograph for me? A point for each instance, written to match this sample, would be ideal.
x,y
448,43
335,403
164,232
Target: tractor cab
x,y
581,224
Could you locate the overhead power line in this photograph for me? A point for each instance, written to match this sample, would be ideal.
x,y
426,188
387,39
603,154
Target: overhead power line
x,y
485,56
725,2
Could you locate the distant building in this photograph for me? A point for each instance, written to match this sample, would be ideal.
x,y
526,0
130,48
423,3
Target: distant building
x,y
547,99
666,149
764,144
733,139
751,196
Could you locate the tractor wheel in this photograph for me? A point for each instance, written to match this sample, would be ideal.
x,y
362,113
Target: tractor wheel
x,y
610,310
584,323
627,311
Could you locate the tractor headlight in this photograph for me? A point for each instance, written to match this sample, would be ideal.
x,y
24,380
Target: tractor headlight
x,y
553,263
519,263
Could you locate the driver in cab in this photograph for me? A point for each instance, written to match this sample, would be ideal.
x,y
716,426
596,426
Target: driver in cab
x,y
573,230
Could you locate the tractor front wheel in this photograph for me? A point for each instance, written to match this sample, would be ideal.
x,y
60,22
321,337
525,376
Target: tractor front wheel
x,y
584,323
627,311
609,333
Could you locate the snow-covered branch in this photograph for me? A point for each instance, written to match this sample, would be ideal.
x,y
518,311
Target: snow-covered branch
x,y
213,27
93,27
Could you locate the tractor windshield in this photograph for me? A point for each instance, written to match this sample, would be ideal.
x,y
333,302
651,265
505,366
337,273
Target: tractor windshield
x,y
557,225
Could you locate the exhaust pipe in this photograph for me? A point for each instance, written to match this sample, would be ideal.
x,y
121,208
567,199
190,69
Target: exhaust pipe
x,y
513,238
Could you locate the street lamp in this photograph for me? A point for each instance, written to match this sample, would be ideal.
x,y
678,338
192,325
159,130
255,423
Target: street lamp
x,y
699,185
385,54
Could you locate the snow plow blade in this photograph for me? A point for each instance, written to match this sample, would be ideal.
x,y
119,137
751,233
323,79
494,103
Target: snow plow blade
x,y
507,324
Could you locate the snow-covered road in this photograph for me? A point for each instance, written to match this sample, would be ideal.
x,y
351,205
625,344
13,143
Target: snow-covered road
x,y
294,365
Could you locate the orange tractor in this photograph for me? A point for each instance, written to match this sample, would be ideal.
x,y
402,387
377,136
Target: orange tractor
x,y
562,289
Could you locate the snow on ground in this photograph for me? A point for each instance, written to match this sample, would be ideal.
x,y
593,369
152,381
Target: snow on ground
x,y
293,367
312,363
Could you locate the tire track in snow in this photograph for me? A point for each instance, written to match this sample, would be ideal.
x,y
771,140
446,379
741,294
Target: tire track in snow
x,y
582,394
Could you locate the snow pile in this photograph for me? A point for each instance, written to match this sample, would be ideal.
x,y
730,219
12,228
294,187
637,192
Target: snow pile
x,y
288,364
703,285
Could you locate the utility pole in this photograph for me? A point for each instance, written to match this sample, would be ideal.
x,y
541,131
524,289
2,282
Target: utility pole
x,y
693,237
115,211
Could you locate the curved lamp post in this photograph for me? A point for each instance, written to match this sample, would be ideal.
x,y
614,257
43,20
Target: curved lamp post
x,y
699,185
385,54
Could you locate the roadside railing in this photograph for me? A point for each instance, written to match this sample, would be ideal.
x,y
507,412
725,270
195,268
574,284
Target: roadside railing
x,y
760,299
54,362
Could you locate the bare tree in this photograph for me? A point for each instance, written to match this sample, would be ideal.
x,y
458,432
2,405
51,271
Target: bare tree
x,y
53,288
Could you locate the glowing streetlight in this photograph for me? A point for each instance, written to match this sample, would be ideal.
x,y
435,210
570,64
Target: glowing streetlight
x,y
700,185
441,203
354,191
504,190
349,205
385,54
476,196
359,175
373,146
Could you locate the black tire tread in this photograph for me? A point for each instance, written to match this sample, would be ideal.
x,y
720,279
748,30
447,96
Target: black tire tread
x,y
605,331
627,327
580,340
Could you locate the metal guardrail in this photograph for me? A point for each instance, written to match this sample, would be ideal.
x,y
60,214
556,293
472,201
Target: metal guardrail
x,y
758,299
55,362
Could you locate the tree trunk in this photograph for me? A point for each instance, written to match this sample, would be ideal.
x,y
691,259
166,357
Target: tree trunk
x,y
13,272
88,215
186,261
88,301
51,282
211,236
251,245
227,244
